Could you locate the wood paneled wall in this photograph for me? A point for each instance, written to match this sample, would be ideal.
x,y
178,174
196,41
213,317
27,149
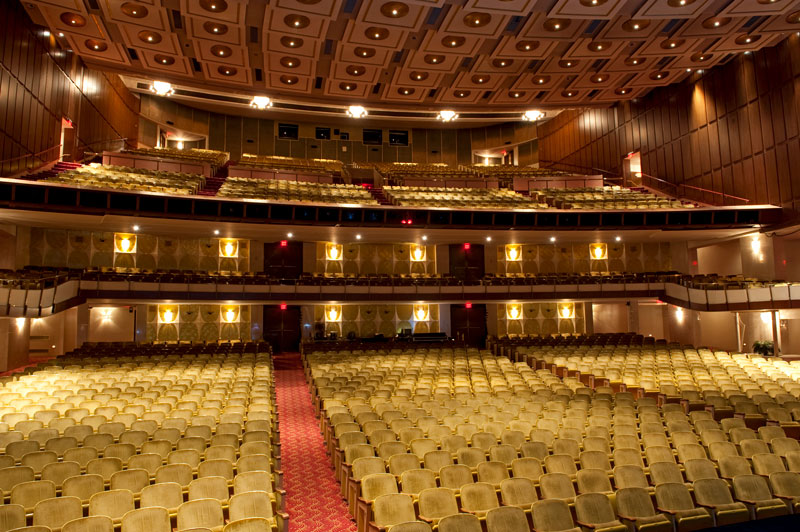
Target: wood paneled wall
x,y
734,129
41,83
248,134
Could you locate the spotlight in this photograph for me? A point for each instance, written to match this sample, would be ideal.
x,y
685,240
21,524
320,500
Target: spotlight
x,y
356,111
261,102
162,88
447,116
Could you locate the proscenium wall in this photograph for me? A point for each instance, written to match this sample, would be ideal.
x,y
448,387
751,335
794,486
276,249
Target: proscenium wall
x,y
251,134
41,83
733,129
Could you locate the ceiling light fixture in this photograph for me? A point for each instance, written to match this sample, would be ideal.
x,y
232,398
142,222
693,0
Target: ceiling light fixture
x,y
356,111
162,88
261,102
447,116
532,115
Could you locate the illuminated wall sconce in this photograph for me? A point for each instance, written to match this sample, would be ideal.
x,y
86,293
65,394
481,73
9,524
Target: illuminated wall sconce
x,y
417,253
513,252
167,313
598,251
333,251
333,313
513,311
124,243
20,324
228,248
229,313
566,311
755,246
421,312
679,315
105,314
766,318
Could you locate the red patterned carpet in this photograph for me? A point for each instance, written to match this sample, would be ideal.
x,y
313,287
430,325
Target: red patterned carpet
x,y
313,499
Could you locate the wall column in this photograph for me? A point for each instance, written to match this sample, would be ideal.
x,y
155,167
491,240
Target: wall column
x,y
14,342
588,317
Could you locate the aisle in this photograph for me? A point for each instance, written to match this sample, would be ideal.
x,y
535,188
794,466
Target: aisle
x,y
313,499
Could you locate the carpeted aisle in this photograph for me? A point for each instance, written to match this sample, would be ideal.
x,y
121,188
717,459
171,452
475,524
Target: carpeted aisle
x,y
313,499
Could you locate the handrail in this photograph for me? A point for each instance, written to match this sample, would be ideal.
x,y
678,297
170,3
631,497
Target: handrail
x,y
607,174
31,154
678,186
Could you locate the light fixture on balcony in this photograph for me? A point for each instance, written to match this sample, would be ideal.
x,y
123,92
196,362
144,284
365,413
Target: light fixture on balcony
x,y
421,312
229,313
124,243
447,116
598,251
162,88
417,253
261,102
228,248
333,251
356,111
566,311
333,313
513,311
513,252
532,115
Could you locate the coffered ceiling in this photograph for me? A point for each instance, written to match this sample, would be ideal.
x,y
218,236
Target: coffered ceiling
x,y
418,54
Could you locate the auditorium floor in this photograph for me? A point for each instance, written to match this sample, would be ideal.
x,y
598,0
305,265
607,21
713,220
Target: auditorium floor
x,y
313,499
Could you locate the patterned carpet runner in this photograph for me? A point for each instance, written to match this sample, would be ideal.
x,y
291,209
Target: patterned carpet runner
x,y
313,499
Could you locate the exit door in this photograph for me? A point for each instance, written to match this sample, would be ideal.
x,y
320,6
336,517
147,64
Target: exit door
x,y
469,324
466,262
282,328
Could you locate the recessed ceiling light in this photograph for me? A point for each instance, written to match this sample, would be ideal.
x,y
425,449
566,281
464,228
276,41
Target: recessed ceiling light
x,y
216,231
424,237
358,237
552,239
60,34
618,238
289,235
135,227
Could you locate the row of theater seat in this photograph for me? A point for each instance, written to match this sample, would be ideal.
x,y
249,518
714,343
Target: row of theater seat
x,y
427,434
213,157
277,190
135,179
143,437
460,198
276,162
607,198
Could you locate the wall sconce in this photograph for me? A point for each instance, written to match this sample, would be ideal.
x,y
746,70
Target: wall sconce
x,y
105,314
333,313
766,318
566,311
598,251
229,313
333,251
421,312
228,248
124,243
755,246
513,252
167,313
513,311
417,253
679,315
20,324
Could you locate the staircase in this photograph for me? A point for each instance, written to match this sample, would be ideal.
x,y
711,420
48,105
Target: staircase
x,y
377,193
214,183
53,171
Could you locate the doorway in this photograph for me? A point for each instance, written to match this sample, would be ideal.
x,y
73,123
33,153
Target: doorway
x,y
282,328
468,323
284,259
466,262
